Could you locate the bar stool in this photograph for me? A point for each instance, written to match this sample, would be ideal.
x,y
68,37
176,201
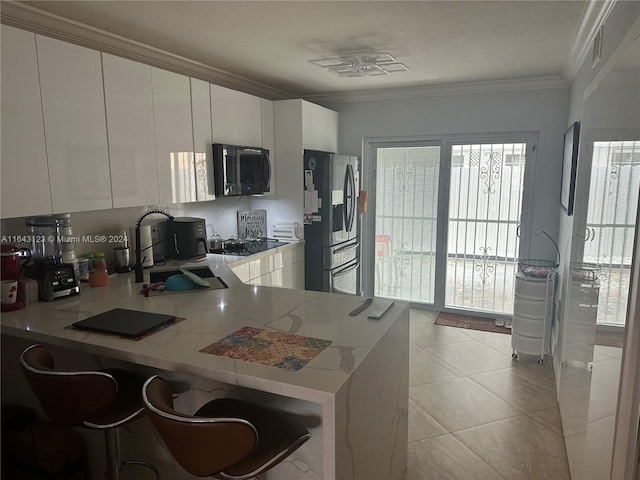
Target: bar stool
x,y
226,438
102,400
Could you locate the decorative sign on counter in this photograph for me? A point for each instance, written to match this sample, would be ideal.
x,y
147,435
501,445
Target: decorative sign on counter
x,y
252,223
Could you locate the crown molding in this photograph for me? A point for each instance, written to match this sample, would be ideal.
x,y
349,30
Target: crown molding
x,y
593,16
32,19
494,86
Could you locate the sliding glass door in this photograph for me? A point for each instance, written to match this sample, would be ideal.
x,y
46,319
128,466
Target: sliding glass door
x,y
405,222
447,218
485,201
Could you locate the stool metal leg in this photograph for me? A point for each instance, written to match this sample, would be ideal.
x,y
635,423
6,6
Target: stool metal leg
x,y
114,464
113,453
142,464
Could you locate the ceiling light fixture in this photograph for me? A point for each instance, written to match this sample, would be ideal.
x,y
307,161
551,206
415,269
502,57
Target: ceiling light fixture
x,y
361,64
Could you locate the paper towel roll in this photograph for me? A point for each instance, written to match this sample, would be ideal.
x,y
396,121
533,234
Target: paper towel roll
x,y
146,243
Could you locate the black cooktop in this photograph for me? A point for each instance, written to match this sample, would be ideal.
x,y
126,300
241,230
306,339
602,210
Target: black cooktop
x,y
249,247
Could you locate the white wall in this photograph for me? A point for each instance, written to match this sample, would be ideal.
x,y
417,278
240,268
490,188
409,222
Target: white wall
x,y
544,111
616,26
619,21
611,108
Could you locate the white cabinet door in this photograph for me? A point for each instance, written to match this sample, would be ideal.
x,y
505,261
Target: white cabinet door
x,y
202,139
250,127
268,140
320,128
24,170
224,115
236,117
174,137
75,126
132,144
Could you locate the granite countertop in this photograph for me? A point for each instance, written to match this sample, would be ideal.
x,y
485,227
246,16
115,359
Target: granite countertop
x,y
210,315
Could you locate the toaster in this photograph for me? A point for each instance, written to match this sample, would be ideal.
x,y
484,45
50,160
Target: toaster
x,y
287,232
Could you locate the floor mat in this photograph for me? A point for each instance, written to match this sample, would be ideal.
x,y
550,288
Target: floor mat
x,y
472,323
603,337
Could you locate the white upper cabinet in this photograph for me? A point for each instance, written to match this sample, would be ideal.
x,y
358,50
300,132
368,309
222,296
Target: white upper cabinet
x,y
202,139
319,128
75,126
268,140
236,117
174,137
128,95
24,170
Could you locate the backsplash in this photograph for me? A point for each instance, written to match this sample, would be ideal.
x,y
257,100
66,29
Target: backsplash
x,y
219,214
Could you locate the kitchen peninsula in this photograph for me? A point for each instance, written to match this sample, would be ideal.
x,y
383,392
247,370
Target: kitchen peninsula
x,y
353,396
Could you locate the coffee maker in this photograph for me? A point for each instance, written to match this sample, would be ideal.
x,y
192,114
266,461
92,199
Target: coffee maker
x,y
55,278
12,294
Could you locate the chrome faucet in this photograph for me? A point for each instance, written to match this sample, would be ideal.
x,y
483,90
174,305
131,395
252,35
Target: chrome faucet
x,y
138,264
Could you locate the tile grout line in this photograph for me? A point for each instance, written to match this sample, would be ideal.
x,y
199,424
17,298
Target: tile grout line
x,y
531,376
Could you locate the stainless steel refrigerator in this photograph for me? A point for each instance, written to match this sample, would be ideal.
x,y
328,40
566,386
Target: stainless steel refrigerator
x,y
331,222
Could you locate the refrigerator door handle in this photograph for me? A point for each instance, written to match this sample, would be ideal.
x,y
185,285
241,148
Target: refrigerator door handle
x,y
345,270
346,248
349,198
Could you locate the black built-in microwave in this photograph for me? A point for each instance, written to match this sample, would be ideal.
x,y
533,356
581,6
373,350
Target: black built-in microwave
x,y
240,170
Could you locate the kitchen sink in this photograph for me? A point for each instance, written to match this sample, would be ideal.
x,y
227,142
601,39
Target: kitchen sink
x,y
162,275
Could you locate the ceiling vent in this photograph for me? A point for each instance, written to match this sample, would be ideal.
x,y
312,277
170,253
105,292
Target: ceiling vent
x,y
596,51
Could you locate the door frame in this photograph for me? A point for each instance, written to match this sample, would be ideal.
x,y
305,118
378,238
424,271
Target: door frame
x,y
445,142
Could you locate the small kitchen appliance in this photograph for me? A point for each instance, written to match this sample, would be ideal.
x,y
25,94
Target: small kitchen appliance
x,y
240,170
145,254
121,257
191,237
55,278
287,231
10,260
215,243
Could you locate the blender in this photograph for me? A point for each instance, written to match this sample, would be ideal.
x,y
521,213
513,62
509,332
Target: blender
x,y
55,278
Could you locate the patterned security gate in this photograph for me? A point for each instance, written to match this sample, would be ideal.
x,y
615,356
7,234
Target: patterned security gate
x,y
406,220
485,202
485,185
611,217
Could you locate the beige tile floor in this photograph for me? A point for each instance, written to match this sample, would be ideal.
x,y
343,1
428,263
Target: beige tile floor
x,y
474,413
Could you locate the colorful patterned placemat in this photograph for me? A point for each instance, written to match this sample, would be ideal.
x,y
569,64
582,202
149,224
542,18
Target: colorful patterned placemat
x,y
272,348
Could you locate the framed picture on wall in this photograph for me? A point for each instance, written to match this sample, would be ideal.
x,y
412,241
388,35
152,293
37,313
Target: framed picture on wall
x,y
569,168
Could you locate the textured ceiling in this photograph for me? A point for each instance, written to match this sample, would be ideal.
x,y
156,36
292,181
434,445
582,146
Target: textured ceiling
x,y
271,42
